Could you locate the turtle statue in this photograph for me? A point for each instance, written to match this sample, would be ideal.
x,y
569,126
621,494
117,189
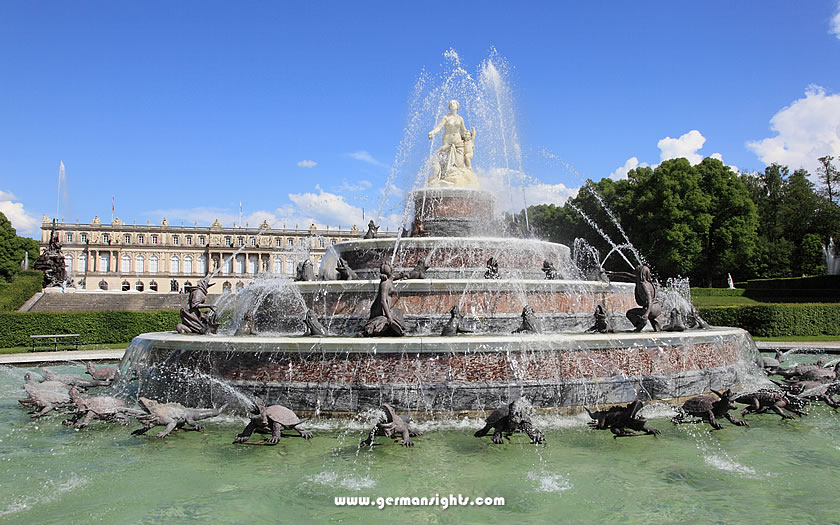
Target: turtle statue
x,y
313,325
770,399
621,420
549,270
530,323
106,408
707,408
453,326
345,273
508,419
45,397
172,415
103,373
273,419
492,271
72,379
815,391
676,323
772,364
602,322
390,424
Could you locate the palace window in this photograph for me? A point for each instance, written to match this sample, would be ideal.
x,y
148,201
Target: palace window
x,y
202,265
106,238
278,265
141,239
174,264
227,266
140,264
279,242
227,240
126,286
302,242
189,240
291,243
153,286
321,242
68,237
241,241
226,287
68,263
174,240
153,266
201,240
290,266
188,264
125,264
253,264
82,263
104,263
154,241
127,240
139,286
83,237
240,264
253,241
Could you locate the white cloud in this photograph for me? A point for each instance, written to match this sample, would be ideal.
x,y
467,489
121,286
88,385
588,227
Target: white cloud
x,y
806,130
307,163
513,191
621,173
366,157
834,24
685,146
358,186
22,222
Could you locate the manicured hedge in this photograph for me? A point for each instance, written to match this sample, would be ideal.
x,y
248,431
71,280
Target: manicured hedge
x,y
717,292
776,320
820,282
92,327
26,284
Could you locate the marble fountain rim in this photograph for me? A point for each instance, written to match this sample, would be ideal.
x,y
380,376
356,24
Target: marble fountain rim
x,y
447,242
462,285
431,344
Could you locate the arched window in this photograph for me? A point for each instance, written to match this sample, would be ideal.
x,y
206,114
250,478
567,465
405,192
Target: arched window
x,y
174,264
226,287
104,263
125,264
126,286
227,266
138,286
188,264
240,264
153,286
103,284
82,263
290,266
253,264
68,263
278,265
140,264
153,266
202,265
240,285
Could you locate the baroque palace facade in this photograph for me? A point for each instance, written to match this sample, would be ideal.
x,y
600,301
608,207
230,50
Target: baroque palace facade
x,y
165,258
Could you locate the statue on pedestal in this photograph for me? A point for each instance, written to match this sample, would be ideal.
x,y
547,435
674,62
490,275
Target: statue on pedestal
x,y
51,262
193,320
452,162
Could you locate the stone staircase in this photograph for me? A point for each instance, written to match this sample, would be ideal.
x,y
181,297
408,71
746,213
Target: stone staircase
x,y
92,301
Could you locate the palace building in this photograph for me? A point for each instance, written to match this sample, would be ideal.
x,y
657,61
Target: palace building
x,y
165,258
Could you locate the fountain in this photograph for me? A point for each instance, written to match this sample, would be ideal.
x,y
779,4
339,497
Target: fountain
x,y
555,359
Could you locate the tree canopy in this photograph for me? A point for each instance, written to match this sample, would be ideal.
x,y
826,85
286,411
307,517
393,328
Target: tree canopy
x,y
13,249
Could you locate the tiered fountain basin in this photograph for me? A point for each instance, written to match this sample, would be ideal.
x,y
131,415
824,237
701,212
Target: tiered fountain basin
x,y
490,305
457,257
558,373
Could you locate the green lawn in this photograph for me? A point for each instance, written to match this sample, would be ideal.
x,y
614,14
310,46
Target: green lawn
x,y
23,349
711,300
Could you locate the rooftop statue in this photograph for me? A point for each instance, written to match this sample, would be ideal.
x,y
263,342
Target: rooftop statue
x,y
452,162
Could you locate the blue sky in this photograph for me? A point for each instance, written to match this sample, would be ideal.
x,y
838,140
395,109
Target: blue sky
x,y
298,110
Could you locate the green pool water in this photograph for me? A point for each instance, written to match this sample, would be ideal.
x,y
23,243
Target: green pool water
x,y
771,472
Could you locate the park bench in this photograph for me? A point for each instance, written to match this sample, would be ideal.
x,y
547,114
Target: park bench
x,y
54,340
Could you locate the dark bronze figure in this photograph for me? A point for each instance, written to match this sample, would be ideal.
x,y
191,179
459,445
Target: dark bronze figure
x,y
392,424
550,271
492,269
602,321
372,231
272,420
645,297
345,273
51,262
313,326
707,408
508,419
676,323
385,319
193,320
453,326
530,323
621,420
304,271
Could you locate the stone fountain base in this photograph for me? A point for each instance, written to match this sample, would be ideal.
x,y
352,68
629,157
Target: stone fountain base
x,y
442,375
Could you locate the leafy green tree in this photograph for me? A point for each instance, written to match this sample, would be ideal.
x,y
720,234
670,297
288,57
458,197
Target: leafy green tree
x,y
811,257
829,176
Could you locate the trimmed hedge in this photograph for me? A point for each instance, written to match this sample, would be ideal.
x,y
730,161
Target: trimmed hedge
x,y
26,284
777,320
717,292
820,282
92,327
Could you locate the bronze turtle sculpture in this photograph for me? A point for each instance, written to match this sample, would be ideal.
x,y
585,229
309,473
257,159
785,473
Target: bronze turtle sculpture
x,y
273,419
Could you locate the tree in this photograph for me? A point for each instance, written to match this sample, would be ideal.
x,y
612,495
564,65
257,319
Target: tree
x,y
829,176
13,250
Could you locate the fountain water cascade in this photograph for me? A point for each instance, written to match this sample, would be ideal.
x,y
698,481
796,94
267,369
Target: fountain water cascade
x,y
450,221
